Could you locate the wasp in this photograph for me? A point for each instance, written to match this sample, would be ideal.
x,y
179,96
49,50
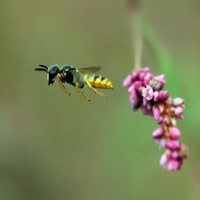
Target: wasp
x,y
77,77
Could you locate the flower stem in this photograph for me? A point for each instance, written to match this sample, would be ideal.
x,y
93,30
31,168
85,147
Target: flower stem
x,y
137,42
133,7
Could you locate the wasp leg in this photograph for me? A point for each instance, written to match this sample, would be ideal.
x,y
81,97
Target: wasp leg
x,y
63,88
96,91
81,93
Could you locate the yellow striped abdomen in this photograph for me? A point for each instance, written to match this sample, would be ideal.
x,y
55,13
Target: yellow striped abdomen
x,y
98,81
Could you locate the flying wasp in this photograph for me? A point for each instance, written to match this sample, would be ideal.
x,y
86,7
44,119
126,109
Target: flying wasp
x,y
77,77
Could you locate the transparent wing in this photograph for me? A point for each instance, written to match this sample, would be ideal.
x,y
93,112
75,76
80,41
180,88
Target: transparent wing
x,y
87,70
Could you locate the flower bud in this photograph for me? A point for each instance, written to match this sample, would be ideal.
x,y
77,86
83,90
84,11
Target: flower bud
x,y
158,133
172,145
174,133
178,101
169,163
158,82
178,112
127,81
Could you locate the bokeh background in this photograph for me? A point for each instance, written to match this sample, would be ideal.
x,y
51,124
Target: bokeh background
x,y
56,147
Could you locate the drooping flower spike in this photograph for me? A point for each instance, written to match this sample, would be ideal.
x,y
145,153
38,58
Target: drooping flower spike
x,y
146,92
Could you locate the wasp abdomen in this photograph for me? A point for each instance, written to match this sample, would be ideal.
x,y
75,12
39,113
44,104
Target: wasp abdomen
x,y
98,81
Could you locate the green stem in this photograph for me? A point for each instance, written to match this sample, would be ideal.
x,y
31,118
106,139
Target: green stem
x,y
134,11
137,39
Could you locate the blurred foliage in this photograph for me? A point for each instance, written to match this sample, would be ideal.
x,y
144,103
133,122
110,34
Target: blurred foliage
x,y
162,59
56,147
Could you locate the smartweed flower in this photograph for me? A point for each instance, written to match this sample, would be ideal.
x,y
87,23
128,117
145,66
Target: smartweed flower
x,y
146,92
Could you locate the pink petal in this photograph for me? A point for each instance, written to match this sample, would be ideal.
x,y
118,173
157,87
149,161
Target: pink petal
x,y
127,81
147,93
158,133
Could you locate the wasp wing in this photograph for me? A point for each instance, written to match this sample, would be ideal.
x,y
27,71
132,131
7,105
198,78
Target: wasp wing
x,y
87,70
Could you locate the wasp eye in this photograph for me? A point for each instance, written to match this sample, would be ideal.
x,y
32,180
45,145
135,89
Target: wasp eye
x,y
52,73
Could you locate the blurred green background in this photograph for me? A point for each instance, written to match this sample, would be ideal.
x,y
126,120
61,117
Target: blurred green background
x,y
56,147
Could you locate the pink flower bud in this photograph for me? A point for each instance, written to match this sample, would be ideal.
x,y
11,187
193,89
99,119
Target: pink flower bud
x,y
174,133
147,79
158,82
135,100
143,73
137,85
178,101
174,165
158,133
128,81
156,113
172,145
135,75
146,70
161,95
175,155
178,112
131,88
169,163
169,101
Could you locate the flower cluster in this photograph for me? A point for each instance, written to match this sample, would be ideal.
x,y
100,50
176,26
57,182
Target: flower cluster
x,y
146,92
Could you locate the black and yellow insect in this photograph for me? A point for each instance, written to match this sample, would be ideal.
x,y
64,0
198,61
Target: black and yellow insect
x,y
77,77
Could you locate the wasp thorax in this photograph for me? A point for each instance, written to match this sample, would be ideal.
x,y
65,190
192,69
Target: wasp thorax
x,y
52,73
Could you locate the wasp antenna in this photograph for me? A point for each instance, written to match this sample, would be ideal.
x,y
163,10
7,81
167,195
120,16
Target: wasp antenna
x,y
41,69
44,66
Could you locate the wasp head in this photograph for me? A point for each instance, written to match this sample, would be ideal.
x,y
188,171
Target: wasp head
x,y
52,72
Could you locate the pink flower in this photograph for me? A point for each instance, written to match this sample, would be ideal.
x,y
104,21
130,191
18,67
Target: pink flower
x,y
170,161
128,81
158,133
146,92
174,133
